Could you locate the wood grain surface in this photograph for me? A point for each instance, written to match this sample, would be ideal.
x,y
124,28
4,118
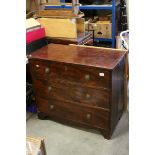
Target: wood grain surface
x,y
80,85
95,57
71,92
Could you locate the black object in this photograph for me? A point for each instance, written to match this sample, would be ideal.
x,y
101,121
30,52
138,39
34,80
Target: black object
x,y
29,49
29,94
123,16
30,99
90,2
35,45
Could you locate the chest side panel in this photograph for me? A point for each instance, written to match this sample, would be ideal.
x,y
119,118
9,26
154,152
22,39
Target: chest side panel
x,y
117,98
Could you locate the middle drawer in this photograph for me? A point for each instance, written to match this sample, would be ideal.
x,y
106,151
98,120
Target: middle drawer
x,y
72,93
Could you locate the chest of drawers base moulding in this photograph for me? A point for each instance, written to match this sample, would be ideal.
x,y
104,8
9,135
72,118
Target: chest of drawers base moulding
x,y
94,81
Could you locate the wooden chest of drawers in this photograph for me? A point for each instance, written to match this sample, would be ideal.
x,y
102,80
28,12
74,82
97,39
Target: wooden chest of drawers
x,y
79,85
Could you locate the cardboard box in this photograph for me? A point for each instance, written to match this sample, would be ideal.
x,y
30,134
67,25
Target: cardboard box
x,y
105,18
32,5
35,146
53,1
102,29
61,27
58,13
31,23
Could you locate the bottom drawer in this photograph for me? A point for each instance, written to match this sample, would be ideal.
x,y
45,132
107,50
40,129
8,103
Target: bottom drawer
x,y
77,113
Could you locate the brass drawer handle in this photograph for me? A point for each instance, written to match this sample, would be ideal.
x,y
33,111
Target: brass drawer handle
x,y
51,106
66,68
88,96
37,66
47,70
87,77
49,88
88,116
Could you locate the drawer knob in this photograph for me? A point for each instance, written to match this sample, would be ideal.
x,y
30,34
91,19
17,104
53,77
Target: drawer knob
x,y
66,68
47,70
49,88
88,116
87,77
51,106
87,96
37,66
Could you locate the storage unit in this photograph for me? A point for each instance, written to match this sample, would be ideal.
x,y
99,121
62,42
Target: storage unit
x,y
95,7
102,29
79,85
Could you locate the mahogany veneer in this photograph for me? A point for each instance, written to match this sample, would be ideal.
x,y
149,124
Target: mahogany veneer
x,y
79,85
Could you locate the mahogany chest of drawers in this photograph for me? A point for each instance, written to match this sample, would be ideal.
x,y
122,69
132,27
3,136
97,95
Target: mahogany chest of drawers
x,y
79,85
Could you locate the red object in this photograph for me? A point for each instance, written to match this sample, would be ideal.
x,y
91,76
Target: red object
x,y
35,35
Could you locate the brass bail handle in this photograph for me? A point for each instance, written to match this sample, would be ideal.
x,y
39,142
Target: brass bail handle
x,y
88,116
47,70
49,88
88,96
87,77
51,106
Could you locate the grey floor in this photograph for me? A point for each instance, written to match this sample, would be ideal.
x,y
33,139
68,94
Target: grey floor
x,y
65,140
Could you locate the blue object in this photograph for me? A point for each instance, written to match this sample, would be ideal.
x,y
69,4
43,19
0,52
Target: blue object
x,y
113,22
95,7
62,1
84,7
31,108
103,39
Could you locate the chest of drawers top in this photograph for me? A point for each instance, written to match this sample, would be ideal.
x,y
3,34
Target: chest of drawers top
x,y
88,56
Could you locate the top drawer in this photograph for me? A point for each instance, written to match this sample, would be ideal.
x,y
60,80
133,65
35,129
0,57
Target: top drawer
x,y
85,75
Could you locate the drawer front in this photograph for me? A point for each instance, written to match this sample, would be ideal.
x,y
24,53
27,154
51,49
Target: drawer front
x,y
72,93
88,76
40,68
68,111
92,77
